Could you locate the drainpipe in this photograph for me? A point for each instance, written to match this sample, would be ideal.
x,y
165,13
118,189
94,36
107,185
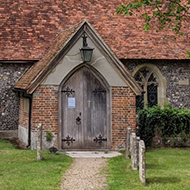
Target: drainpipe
x,y
29,118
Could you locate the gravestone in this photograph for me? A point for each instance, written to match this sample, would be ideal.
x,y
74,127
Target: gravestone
x,y
127,145
138,140
134,152
142,162
39,142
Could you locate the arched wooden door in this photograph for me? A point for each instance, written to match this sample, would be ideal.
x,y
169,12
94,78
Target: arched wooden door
x,y
84,112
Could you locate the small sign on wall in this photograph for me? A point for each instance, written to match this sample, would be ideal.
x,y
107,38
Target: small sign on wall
x,y
71,102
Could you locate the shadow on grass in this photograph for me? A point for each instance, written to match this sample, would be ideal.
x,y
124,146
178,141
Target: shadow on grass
x,y
155,166
163,180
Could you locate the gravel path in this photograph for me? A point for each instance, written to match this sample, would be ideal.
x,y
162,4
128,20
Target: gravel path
x,y
85,174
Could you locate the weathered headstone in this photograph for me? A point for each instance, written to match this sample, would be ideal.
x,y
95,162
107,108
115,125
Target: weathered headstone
x,y
142,161
134,151
127,145
138,140
39,142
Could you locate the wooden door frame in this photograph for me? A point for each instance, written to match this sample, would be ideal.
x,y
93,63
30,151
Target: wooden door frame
x,y
103,81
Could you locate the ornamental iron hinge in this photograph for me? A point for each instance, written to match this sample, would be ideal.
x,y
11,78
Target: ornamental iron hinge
x,y
98,90
99,139
68,91
68,140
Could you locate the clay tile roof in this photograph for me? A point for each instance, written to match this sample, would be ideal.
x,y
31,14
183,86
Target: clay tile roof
x,y
30,80
27,29
36,70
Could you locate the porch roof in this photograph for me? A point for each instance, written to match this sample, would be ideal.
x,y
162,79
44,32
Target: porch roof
x,y
33,77
29,77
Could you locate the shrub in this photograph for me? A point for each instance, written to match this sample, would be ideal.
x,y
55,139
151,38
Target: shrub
x,y
49,136
170,121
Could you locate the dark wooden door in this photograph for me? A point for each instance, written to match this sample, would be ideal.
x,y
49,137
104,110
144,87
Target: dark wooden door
x,y
84,112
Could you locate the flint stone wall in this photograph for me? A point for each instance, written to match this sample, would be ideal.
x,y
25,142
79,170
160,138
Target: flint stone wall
x,y
177,76
159,142
9,100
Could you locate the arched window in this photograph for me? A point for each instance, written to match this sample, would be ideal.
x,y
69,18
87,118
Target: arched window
x,y
149,77
149,83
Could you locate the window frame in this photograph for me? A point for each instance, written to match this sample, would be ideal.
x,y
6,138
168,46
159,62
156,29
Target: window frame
x,y
161,82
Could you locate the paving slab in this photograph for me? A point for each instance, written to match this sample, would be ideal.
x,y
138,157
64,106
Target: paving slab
x,y
92,154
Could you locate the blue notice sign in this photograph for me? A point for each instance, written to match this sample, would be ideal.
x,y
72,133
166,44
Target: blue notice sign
x,y
71,102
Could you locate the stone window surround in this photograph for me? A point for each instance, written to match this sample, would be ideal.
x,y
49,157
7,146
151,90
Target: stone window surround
x,y
160,78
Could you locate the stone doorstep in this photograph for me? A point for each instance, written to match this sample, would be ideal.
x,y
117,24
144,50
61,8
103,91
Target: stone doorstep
x,y
92,154
8,134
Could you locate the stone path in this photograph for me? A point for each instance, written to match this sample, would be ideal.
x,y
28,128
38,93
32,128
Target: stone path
x,y
88,170
92,154
85,174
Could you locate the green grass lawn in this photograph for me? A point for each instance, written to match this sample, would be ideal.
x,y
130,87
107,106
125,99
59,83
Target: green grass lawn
x,y
167,169
19,169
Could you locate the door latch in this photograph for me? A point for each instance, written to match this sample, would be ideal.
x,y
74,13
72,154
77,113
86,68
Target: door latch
x,y
78,119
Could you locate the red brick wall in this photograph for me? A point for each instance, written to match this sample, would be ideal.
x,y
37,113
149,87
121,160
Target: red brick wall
x,y
45,111
45,108
123,114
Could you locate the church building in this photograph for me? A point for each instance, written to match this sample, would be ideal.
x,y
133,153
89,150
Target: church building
x,y
82,71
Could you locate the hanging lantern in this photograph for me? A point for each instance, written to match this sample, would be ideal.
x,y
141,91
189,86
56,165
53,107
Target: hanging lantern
x,y
86,52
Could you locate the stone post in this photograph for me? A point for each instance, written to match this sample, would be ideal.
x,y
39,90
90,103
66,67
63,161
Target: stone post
x,y
142,161
127,145
39,142
134,163
138,140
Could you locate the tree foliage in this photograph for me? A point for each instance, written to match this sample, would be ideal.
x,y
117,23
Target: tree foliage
x,y
166,13
171,15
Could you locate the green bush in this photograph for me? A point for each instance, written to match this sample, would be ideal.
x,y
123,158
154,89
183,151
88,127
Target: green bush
x,y
170,121
49,136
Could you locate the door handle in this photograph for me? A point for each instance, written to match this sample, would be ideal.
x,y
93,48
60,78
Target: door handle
x,y
78,119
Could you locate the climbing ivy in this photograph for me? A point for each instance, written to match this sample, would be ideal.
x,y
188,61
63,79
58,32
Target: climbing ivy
x,y
169,121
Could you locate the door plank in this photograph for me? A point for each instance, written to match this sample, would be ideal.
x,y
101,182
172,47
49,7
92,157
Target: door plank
x,y
90,107
70,126
96,122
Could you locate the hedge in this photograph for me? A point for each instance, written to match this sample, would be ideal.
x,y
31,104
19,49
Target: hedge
x,y
172,122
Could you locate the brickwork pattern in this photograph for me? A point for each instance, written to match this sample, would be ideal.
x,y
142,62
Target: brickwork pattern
x,y
28,27
174,71
45,108
45,111
123,115
9,100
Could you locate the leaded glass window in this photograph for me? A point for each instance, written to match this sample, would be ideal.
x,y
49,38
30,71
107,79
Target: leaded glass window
x,y
148,81
152,95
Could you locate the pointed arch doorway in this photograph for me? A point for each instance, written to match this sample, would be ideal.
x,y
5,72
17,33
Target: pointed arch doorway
x,y
84,110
